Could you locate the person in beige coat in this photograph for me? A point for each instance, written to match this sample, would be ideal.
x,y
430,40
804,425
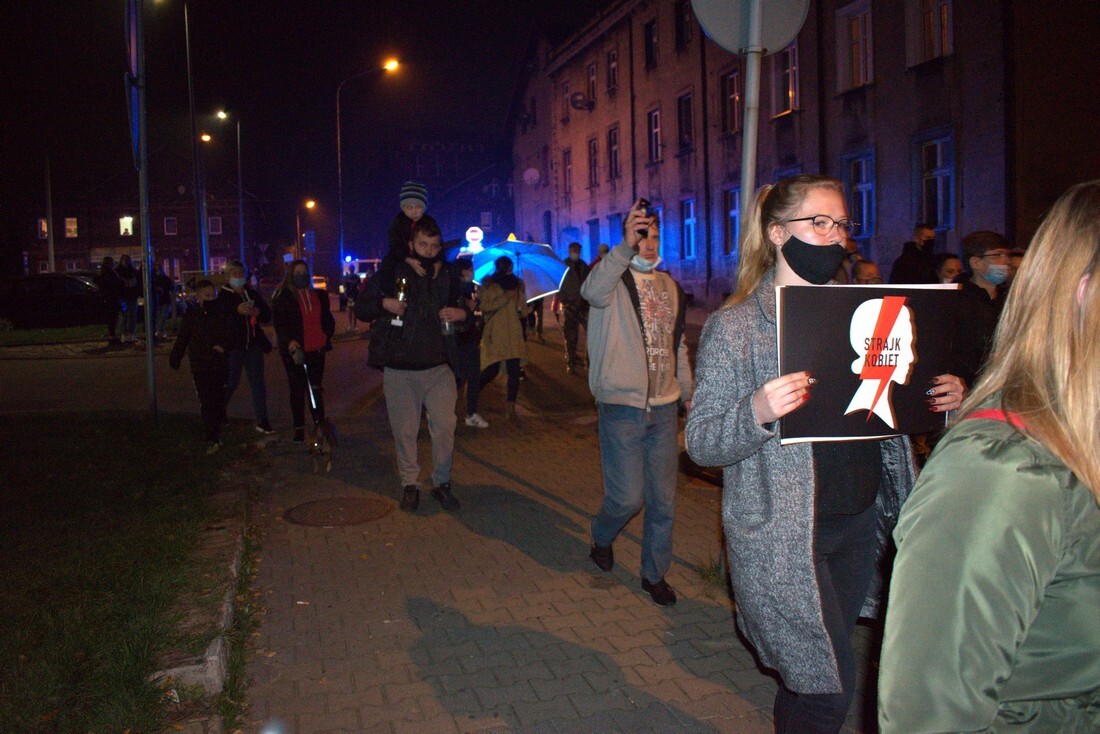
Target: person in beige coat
x,y
504,305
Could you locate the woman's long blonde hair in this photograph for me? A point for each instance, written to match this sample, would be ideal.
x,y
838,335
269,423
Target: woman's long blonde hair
x,y
773,203
1045,360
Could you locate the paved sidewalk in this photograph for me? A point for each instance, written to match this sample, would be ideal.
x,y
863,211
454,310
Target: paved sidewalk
x,y
493,618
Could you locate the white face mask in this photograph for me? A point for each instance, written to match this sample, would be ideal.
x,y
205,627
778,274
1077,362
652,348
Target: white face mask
x,y
640,263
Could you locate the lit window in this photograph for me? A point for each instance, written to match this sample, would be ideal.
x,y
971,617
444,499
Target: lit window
x,y
859,180
785,80
612,69
70,227
650,40
217,264
591,87
687,235
732,100
171,226
593,163
614,167
653,128
732,233
43,229
685,122
928,30
855,54
214,225
126,226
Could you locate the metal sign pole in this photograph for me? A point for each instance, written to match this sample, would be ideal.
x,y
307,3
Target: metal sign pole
x,y
750,129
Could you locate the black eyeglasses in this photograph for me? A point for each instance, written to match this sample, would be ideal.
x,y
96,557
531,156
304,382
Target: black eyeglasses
x,y
823,224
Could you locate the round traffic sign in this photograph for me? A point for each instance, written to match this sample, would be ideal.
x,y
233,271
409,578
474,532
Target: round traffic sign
x,y
727,22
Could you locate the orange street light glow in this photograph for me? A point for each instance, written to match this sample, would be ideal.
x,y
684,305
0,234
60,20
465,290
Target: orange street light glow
x,y
310,204
205,137
391,65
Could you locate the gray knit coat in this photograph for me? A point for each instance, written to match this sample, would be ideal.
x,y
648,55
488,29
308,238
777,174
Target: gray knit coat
x,y
768,496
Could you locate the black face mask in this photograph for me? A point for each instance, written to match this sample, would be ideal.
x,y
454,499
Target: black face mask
x,y
427,262
814,263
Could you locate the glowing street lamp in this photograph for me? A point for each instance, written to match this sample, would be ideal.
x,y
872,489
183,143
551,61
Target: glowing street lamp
x,y
224,116
391,65
308,204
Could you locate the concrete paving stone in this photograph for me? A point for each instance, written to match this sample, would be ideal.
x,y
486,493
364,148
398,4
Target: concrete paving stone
x,y
365,696
441,652
712,667
745,679
666,690
561,685
493,662
530,670
751,723
716,704
597,718
398,693
469,681
532,714
683,650
429,670
602,682
654,673
499,617
566,622
589,663
315,722
645,639
591,704
654,717
340,683
503,694
696,689
659,653
440,724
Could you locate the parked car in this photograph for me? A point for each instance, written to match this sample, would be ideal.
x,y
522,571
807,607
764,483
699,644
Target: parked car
x,y
50,300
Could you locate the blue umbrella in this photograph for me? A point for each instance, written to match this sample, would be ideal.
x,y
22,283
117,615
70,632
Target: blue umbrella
x,y
536,264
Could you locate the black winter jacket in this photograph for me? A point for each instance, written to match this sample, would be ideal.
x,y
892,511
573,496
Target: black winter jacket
x,y
288,319
204,326
247,330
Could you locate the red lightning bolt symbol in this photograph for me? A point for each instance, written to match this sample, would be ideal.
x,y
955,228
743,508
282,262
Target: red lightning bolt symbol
x,y
887,316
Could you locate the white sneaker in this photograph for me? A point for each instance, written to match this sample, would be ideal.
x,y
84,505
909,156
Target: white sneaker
x,y
476,421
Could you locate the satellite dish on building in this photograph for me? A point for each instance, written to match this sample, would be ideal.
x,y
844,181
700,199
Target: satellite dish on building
x,y
531,177
578,101
726,22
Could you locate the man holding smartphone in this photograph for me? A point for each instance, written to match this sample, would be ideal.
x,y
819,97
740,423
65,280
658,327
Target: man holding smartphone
x,y
638,373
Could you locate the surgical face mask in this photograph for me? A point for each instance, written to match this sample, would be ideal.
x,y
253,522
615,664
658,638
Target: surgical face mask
x,y
574,256
300,281
813,263
996,273
640,263
236,283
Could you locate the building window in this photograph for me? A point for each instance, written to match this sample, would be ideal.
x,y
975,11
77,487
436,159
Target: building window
x,y
928,30
71,265
649,32
70,227
785,80
43,229
565,101
171,226
214,225
855,54
684,21
612,69
653,134
217,264
43,266
731,235
937,181
614,167
567,174
732,102
859,180
687,234
591,88
685,122
126,226
593,163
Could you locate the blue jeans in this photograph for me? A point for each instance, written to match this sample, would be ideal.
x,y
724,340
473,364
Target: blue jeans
x,y
844,560
639,454
252,361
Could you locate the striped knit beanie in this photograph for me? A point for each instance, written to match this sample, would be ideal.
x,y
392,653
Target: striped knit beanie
x,y
413,193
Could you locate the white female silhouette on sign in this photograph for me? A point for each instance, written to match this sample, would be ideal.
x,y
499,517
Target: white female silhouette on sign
x,y
882,335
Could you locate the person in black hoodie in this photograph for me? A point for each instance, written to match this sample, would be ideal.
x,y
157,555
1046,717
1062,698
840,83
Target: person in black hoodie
x,y
417,353
250,343
205,335
304,326
131,289
111,286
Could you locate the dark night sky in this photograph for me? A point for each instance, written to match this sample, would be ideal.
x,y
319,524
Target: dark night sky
x,y
278,63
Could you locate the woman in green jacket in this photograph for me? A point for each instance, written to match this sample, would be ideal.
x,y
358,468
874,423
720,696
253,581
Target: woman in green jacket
x,y
994,616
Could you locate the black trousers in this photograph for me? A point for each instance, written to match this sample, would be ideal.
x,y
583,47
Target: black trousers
x,y
296,376
210,386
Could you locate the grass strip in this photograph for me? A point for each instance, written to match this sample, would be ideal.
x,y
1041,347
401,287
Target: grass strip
x,y
99,514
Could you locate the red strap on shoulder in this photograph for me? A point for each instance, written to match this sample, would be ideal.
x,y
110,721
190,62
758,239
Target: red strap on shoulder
x,y
996,414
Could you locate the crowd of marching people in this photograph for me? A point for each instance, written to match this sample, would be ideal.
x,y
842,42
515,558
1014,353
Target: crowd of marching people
x,y
992,601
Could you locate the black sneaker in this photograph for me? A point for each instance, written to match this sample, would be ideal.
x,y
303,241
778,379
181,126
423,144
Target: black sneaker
x,y
410,500
660,592
602,556
265,428
448,501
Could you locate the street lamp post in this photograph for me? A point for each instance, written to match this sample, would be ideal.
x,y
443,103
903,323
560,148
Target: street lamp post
x,y
298,254
200,196
391,65
223,115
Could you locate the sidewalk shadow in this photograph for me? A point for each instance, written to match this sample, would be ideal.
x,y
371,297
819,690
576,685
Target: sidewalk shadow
x,y
548,537
531,681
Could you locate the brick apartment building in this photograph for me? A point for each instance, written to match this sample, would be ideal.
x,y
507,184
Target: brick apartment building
x,y
958,113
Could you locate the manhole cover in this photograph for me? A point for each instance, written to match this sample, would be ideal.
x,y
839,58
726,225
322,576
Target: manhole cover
x,y
338,511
